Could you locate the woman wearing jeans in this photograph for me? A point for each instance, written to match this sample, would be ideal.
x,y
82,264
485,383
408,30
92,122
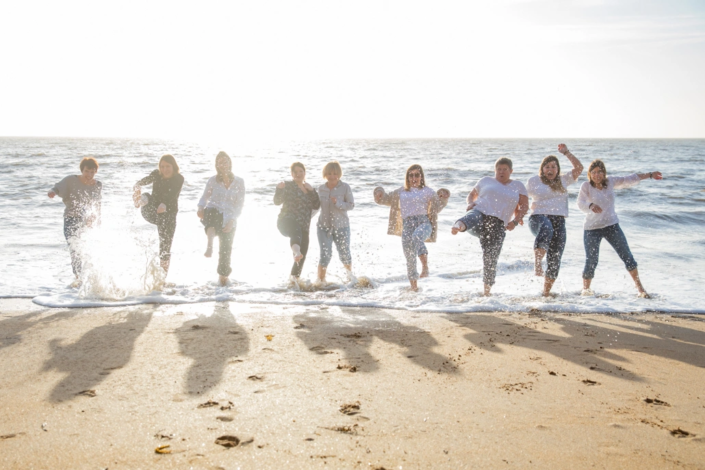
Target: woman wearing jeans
x,y
549,207
218,209
596,199
333,225
413,214
494,205
298,200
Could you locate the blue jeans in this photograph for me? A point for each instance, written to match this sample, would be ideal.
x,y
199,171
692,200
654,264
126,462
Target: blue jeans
x,y
491,232
417,229
341,238
550,234
615,237
73,226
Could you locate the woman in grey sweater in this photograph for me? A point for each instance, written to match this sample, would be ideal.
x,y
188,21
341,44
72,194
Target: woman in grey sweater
x,y
333,224
81,194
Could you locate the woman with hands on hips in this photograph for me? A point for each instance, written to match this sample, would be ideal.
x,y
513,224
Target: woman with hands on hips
x,y
596,200
495,205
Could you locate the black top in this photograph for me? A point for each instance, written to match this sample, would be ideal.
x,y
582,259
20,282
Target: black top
x,y
164,191
296,204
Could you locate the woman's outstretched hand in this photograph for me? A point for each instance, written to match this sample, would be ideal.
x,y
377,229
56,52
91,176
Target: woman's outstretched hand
x,y
443,193
563,148
200,213
596,209
161,209
378,195
656,175
51,194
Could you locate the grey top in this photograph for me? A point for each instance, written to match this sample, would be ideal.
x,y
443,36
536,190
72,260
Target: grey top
x,y
80,199
335,216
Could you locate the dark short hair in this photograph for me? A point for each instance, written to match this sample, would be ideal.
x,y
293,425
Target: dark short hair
x,y
295,164
503,161
171,161
88,162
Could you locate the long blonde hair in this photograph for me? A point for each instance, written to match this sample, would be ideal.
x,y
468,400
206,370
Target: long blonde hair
x,y
556,184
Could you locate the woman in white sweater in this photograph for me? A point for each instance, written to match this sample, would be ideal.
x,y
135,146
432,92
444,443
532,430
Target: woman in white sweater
x,y
596,199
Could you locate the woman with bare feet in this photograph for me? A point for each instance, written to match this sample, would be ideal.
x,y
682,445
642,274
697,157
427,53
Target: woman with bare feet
x,y
160,207
298,200
549,208
81,194
596,199
333,224
413,215
219,208
494,206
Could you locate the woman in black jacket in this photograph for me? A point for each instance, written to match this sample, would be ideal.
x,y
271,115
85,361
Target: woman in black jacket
x,y
160,207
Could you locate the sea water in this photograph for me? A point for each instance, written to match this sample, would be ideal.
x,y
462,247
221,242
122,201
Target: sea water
x,y
663,222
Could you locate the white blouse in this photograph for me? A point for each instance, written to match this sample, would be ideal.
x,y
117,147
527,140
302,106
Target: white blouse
x,y
228,201
546,201
605,199
497,199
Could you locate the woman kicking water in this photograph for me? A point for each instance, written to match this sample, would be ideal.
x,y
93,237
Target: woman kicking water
x,y
333,224
298,200
161,206
219,208
494,206
549,208
81,195
596,199
413,215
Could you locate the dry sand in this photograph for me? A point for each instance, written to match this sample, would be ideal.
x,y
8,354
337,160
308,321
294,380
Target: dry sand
x,y
310,387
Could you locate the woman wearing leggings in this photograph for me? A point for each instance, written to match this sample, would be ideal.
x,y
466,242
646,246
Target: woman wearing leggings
x,y
494,206
161,206
413,215
218,209
549,208
298,200
596,199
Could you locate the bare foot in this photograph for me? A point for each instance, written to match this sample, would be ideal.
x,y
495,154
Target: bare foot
x,y
298,257
223,280
644,295
458,227
209,251
414,285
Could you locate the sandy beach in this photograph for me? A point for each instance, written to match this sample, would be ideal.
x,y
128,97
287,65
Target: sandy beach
x,y
317,387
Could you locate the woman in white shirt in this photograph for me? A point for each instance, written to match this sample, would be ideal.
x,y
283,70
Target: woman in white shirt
x,y
494,206
596,199
549,208
219,208
413,214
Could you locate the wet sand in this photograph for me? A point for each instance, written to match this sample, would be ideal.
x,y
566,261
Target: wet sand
x,y
311,387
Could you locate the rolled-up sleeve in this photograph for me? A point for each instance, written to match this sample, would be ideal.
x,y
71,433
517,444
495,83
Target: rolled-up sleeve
x,y
620,182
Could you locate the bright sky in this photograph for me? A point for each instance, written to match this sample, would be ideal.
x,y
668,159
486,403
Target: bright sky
x,y
335,69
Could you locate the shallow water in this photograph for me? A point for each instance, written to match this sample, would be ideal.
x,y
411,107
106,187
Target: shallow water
x,y
663,222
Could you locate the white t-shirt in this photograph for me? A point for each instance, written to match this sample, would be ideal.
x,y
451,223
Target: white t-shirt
x,y
497,199
415,201
546,201
605,199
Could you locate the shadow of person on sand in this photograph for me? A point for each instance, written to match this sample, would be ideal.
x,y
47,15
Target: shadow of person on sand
x,y
211,340
12,326
354,334
591,343
91,359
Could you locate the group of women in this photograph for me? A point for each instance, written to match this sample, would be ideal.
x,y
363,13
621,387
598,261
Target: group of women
x,y
495,205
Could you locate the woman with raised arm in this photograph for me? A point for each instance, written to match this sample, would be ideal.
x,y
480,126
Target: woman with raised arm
x,y
413,215
596,199
81,194
494,206
160,207
219,208
549,208
333,224
298,200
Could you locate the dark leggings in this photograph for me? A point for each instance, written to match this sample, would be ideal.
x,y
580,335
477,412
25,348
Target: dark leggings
x,y
213,218
166,226
72,232
491,232
298,235
550,236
